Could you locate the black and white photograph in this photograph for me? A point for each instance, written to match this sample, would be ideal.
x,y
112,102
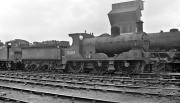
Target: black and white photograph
x,y
89,51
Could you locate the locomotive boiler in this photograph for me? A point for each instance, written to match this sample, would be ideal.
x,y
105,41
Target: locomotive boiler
x,y
123,43
165,40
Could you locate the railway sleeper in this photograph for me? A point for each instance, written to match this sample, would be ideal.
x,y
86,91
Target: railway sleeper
x,y
98,89
73,98
5,99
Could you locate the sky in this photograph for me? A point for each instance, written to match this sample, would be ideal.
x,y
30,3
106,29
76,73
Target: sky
x,y
40,20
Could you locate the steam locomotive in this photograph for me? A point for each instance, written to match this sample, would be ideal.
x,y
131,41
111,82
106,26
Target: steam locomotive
x,y
129,53
128,50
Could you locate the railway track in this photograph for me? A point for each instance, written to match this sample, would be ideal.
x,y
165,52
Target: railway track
x,y
74,93
96,80
110,79
111,87
142,75
10,100
27,95
126,88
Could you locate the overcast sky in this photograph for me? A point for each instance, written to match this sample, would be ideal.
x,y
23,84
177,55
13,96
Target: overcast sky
x,y
38,20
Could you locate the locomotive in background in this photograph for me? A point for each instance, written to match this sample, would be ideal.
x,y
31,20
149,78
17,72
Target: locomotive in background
x,y
22,55
128,50
11,53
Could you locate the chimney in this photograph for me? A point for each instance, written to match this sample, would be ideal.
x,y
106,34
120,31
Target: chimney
x,y
139,25
115,31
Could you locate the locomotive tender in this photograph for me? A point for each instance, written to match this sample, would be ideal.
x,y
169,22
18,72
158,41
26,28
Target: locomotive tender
x,y
44,56
128,50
